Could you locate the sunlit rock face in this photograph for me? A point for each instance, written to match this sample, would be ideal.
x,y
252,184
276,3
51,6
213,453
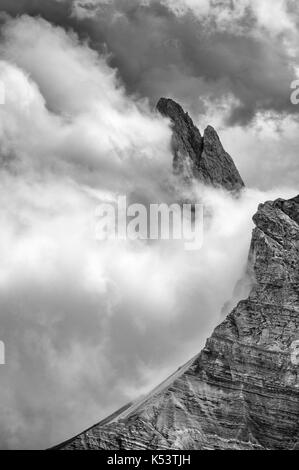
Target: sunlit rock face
x,y
199,157
242,390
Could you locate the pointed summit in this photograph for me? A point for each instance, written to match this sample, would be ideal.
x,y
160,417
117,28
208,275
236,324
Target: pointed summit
x,y
197,157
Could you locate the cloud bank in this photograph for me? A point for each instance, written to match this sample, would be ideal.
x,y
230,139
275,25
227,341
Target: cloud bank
x,y
231,64
87,325
190,50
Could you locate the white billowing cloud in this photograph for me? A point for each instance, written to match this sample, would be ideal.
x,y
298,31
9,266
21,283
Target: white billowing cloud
x,y
88,325
265,151
96,125
275,18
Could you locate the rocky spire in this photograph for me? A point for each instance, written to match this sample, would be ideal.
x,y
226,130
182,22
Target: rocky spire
x,y
242,390
196,156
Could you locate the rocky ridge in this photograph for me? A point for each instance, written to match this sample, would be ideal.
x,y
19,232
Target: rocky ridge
x,y
242,390
199,157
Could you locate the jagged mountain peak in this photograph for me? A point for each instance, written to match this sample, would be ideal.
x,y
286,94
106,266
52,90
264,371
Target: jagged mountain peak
x,y
198,157
172,109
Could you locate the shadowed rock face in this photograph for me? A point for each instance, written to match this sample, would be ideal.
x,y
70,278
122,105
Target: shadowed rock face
x,y
242,390
197,157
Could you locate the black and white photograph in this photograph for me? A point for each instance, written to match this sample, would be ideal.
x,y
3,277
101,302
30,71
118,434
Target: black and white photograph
x,y
149,228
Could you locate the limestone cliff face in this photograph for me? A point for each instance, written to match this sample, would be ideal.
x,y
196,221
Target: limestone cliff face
x,y
242,390
199,157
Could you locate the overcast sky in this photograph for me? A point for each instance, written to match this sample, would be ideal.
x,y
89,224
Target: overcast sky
x,y
88,326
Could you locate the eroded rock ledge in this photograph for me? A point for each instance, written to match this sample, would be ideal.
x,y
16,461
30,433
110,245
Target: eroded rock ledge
x,y
242,390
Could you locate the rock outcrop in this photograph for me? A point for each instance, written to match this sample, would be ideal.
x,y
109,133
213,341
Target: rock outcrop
x,y
242,390
199,157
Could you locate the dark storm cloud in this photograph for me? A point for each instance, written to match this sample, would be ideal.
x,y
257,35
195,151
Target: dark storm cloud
x,y
53,10
189,58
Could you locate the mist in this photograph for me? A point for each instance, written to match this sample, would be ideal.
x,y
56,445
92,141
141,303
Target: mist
x,y
89,325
